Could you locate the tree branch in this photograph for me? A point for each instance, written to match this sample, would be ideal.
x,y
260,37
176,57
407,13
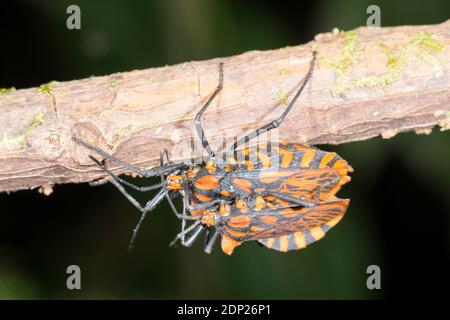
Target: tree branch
x,y
368,82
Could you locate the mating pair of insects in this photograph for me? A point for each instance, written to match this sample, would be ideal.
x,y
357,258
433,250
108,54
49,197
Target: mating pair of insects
x,y
280,194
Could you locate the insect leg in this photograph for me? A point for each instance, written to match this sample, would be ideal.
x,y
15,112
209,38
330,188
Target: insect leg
x,y
99,182
203,205
209,245
289,198
275,123
123,191
185,231
171,204
120,180
187,196
197,120
182,216
183,222
319,188
145,173
185,186
148,207
166,153
207,234
194,236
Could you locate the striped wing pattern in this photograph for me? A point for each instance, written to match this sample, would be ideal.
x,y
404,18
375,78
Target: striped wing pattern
x,y
290,169
295,229
282,229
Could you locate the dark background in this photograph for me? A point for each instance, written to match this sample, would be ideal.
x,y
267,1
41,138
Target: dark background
x,y
399,214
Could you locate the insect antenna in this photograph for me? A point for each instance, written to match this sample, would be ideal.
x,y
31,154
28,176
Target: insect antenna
x,y
145,173
116,181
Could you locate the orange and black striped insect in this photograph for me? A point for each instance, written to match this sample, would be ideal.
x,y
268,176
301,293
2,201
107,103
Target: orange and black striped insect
x,y
273,222
295,174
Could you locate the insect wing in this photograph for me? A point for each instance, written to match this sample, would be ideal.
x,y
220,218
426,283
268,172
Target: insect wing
x,y
297,183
